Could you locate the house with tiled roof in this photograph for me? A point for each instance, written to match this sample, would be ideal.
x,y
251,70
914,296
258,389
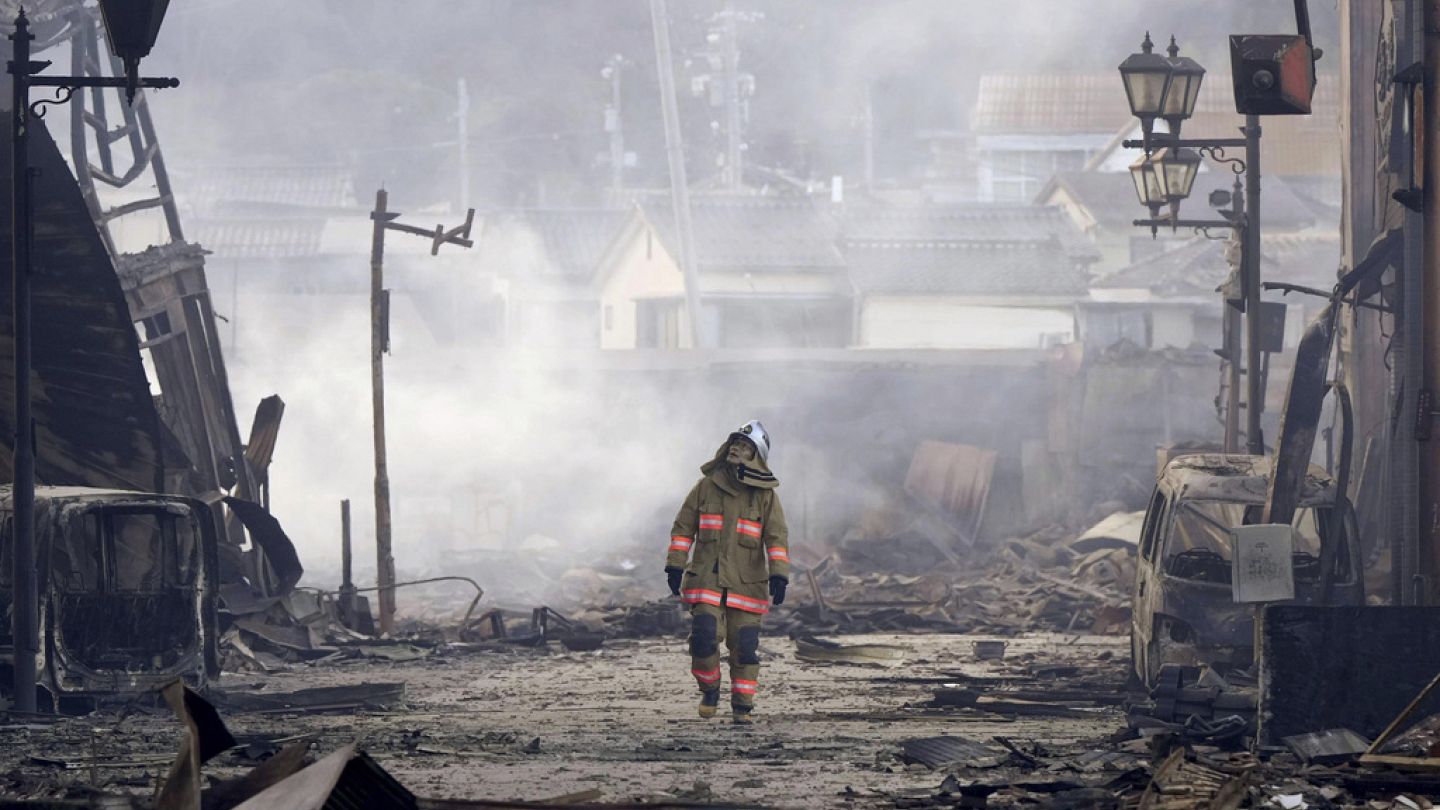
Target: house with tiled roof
x,y
544,261
770,275
1027,127
1173,299
297,239
964,277
1030,127
1102,206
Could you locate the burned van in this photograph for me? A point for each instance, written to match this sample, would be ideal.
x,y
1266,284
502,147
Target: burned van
x,y
1183,612
127,593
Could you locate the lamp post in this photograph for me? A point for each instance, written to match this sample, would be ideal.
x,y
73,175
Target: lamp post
x,y
1168,89
131,26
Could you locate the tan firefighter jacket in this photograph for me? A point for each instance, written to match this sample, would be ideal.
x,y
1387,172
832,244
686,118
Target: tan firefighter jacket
x,y
730,537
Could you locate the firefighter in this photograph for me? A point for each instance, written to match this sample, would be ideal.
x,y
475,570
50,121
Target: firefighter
x,y
729,560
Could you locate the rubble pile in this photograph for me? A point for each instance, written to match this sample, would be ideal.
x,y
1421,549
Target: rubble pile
x,y
1050,580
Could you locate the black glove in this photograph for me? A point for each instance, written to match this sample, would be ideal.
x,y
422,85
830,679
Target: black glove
x,y
672,575
777,589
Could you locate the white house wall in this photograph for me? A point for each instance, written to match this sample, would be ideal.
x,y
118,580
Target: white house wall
x,y
940,323
1172,327
642,270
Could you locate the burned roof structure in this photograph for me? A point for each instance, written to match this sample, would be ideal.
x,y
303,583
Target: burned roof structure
x,y
95,423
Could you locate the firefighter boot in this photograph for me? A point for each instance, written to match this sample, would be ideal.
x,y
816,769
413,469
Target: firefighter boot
x,y
708,702
744,715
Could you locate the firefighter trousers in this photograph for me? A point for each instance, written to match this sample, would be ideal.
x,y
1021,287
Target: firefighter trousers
x,y
740,630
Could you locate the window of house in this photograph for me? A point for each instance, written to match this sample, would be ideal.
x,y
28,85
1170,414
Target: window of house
x,y
1018,176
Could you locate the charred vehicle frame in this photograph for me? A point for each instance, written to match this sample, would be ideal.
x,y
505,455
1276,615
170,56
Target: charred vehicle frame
x,y
127,592
1183,611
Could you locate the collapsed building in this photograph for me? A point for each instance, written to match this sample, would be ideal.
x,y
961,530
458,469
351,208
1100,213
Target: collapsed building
x,y
115,553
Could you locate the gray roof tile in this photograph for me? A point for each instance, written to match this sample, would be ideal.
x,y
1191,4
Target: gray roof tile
x,y
561,244
1038,268
755,233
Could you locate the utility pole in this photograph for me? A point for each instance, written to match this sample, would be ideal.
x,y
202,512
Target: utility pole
x,y
614,120
675,153
1428,555
462,135
734,170
384,220
1254,380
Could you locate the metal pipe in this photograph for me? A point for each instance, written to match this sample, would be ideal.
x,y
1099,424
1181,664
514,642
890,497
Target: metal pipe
x,y
25,608
1302,21
1255,390
1161,139
479,591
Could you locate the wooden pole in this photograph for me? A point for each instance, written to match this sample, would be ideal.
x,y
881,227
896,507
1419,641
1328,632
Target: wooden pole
x,y
384,556
379,345
347,578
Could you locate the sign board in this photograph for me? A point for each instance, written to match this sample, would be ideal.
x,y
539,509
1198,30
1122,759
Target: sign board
x,y
1263,568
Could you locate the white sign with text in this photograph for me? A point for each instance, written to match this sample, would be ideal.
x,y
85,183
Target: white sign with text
x,y
1264,567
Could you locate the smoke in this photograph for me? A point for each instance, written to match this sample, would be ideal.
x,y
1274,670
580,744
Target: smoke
x,y
592,451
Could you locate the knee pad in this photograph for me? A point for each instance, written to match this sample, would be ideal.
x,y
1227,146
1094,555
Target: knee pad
x,y
749,650
704,630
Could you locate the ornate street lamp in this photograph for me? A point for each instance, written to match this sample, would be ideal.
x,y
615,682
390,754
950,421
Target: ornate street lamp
x,y
1147,77
131,26
1166,176
1185,77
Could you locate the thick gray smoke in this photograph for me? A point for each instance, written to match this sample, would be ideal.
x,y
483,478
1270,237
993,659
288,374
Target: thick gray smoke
x,y
572,451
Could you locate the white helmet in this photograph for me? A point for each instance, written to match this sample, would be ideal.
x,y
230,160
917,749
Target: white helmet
x,y
755,433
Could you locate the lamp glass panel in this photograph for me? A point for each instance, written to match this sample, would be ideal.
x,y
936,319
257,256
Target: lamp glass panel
x,y
1145,90
1147,182
1186,76
1176,169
